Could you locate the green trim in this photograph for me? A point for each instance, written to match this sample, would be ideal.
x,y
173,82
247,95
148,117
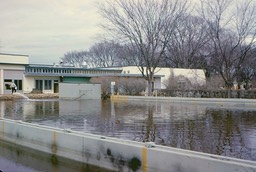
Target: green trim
x,y
77,80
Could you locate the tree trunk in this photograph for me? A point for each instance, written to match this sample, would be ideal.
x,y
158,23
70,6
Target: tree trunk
x,y
150,87
229,92
246,85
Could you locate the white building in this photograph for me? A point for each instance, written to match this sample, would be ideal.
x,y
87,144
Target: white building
x,y
16,68
28,77
195,76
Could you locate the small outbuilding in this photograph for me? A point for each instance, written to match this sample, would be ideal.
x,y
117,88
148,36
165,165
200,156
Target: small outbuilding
x,y
79,91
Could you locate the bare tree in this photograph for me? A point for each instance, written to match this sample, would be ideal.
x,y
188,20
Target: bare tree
x,y
102,54
74,58
131,86
247,72
187,47
129,56
105,84
232,35
146,25
106,54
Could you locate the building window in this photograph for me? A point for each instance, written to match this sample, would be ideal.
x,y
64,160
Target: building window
x,y
47,84
181,83
39,84
7,83
18,83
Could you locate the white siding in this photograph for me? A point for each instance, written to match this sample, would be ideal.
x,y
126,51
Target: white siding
x,y
196,76
13,74
28,84
14,59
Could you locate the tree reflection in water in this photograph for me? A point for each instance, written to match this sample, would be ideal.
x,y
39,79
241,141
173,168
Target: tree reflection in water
x,y
209,129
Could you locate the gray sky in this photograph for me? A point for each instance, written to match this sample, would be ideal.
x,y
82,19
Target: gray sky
x,y
47,29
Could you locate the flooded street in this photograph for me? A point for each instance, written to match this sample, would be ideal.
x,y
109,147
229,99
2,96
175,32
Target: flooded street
x,y
217,130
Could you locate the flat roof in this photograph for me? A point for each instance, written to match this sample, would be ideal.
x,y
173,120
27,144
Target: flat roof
x,y
70,67
89,75
13,54
14,59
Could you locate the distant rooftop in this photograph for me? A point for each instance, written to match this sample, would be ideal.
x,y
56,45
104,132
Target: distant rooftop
x,y
57,66
13,54
14,59
59,70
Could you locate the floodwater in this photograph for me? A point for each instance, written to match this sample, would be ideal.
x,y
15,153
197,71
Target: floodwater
x,y
221,130
14,158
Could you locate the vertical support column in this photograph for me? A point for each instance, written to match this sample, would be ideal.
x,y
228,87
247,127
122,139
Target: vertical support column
x,y
54,151
54,147
24,86
1,81
144,159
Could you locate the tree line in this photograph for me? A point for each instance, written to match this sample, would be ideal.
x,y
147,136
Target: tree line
x,y
217,36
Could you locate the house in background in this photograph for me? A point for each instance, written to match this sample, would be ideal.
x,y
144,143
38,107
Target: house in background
x,y
46,78
196,77
28,77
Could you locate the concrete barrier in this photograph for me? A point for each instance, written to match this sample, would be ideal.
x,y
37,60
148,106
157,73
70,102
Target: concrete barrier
x,y
211,102
116,154
79,91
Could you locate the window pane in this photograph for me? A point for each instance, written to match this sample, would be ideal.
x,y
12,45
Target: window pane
x,y
7,80
48,84
18,83
7,83
39,84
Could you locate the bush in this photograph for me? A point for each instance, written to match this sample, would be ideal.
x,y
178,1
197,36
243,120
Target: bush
x,y
123,85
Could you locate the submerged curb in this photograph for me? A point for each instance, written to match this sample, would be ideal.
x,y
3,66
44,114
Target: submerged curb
x,y
210,102
17,96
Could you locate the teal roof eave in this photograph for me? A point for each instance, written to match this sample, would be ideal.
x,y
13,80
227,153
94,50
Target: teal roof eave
x,y
72,68
87,75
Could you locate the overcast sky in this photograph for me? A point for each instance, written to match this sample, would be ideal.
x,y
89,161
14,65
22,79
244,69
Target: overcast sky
x,y
47,29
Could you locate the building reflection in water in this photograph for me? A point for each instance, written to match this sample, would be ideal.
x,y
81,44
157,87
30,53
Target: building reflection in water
x,y
203,128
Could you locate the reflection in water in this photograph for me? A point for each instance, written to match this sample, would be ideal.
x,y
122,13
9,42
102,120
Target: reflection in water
x,y
17,158
183,125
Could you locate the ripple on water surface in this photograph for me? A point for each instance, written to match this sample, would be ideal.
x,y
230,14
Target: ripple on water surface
x,y
209,129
